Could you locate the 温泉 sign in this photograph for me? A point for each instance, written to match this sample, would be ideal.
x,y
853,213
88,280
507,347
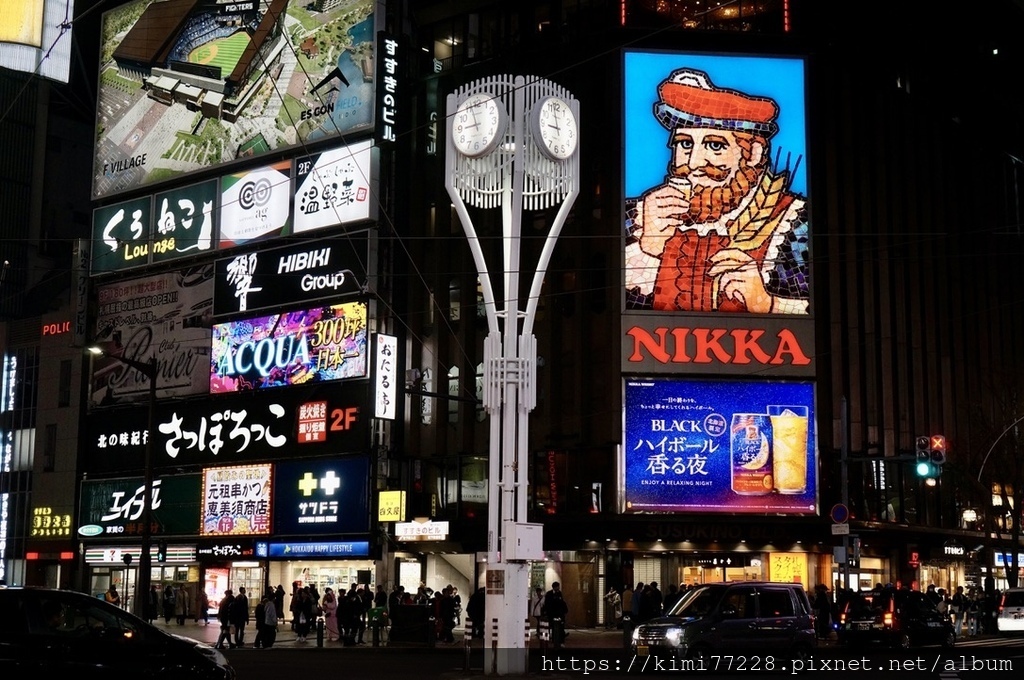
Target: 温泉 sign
x,y
706,446
322,496
223,82
233,428
158,316
236,501
120,235
297,274
293,348
335,187
254,204
113,507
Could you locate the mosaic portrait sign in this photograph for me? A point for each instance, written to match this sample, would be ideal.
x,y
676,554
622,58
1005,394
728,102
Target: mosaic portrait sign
x,y
715,184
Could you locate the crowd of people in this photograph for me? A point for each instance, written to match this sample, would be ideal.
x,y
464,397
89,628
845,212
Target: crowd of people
x,y
972,610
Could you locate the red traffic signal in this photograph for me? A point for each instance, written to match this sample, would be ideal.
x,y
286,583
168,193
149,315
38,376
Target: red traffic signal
x,y
937,446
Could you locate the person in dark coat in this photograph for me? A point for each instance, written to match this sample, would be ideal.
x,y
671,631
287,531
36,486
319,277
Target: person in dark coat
x,y
240,616
224,616
822,611
475,611
279,601
556,608
304,614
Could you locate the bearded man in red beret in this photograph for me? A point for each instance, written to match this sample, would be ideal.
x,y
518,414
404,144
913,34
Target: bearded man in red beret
x,y
723,232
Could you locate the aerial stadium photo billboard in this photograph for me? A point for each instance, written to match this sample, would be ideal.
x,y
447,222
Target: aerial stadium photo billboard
x,y
187,85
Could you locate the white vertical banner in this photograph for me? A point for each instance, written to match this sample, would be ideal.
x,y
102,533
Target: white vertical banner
x,y
386,372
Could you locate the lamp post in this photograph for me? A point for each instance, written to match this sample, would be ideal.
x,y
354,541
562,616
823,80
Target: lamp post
x,y
142,583
512,143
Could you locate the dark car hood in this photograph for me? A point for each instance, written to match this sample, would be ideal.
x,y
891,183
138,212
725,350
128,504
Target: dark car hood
x,y
663,622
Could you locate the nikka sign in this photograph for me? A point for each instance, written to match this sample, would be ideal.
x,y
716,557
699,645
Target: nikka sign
x,y
767,346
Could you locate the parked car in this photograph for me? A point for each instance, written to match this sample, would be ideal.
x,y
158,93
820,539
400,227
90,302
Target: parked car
x,y
894,618
1010,615
62,633
750,618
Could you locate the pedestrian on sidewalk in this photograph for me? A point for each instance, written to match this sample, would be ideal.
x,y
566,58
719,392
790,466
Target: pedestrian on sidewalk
x,y
224,616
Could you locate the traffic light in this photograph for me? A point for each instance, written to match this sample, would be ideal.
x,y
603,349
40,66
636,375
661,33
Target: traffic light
x,y
937,446
924,466
161,551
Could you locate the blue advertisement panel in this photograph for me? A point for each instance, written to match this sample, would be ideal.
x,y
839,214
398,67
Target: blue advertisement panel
x,y
715,184
322,496
314,549
708,446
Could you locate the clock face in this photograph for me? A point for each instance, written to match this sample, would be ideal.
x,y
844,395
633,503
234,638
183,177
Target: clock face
x,y
478,125
554,128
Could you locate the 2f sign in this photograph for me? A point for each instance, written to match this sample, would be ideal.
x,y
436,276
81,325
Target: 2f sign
x,y
342,419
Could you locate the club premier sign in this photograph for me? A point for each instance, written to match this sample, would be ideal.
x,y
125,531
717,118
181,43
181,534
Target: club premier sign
x,y
313,345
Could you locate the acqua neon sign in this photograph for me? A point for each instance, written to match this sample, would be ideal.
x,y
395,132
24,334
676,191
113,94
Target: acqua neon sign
x,y
326,343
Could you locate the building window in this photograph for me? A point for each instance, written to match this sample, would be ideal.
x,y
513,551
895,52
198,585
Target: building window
x,y
64,384
50,448
453,392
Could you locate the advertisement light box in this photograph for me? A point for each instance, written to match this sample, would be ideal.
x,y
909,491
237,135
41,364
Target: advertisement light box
x,y
294,348
191,86
322,496
732,447
236,501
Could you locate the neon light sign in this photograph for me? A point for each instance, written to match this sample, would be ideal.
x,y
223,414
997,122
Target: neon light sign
x,y
315,345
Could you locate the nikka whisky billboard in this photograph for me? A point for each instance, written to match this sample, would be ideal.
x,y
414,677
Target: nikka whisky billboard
x,y
717,271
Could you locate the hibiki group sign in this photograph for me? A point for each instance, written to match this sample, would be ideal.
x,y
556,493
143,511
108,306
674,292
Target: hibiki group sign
x,y
293,348
708,446
293,275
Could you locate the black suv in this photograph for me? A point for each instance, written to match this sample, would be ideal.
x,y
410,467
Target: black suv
x,y
897,618
62,633
746,617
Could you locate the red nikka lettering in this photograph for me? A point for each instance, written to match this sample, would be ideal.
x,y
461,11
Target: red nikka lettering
x,y
739,346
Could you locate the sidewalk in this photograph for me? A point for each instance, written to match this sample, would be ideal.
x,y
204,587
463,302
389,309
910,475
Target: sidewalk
x,y
579,638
